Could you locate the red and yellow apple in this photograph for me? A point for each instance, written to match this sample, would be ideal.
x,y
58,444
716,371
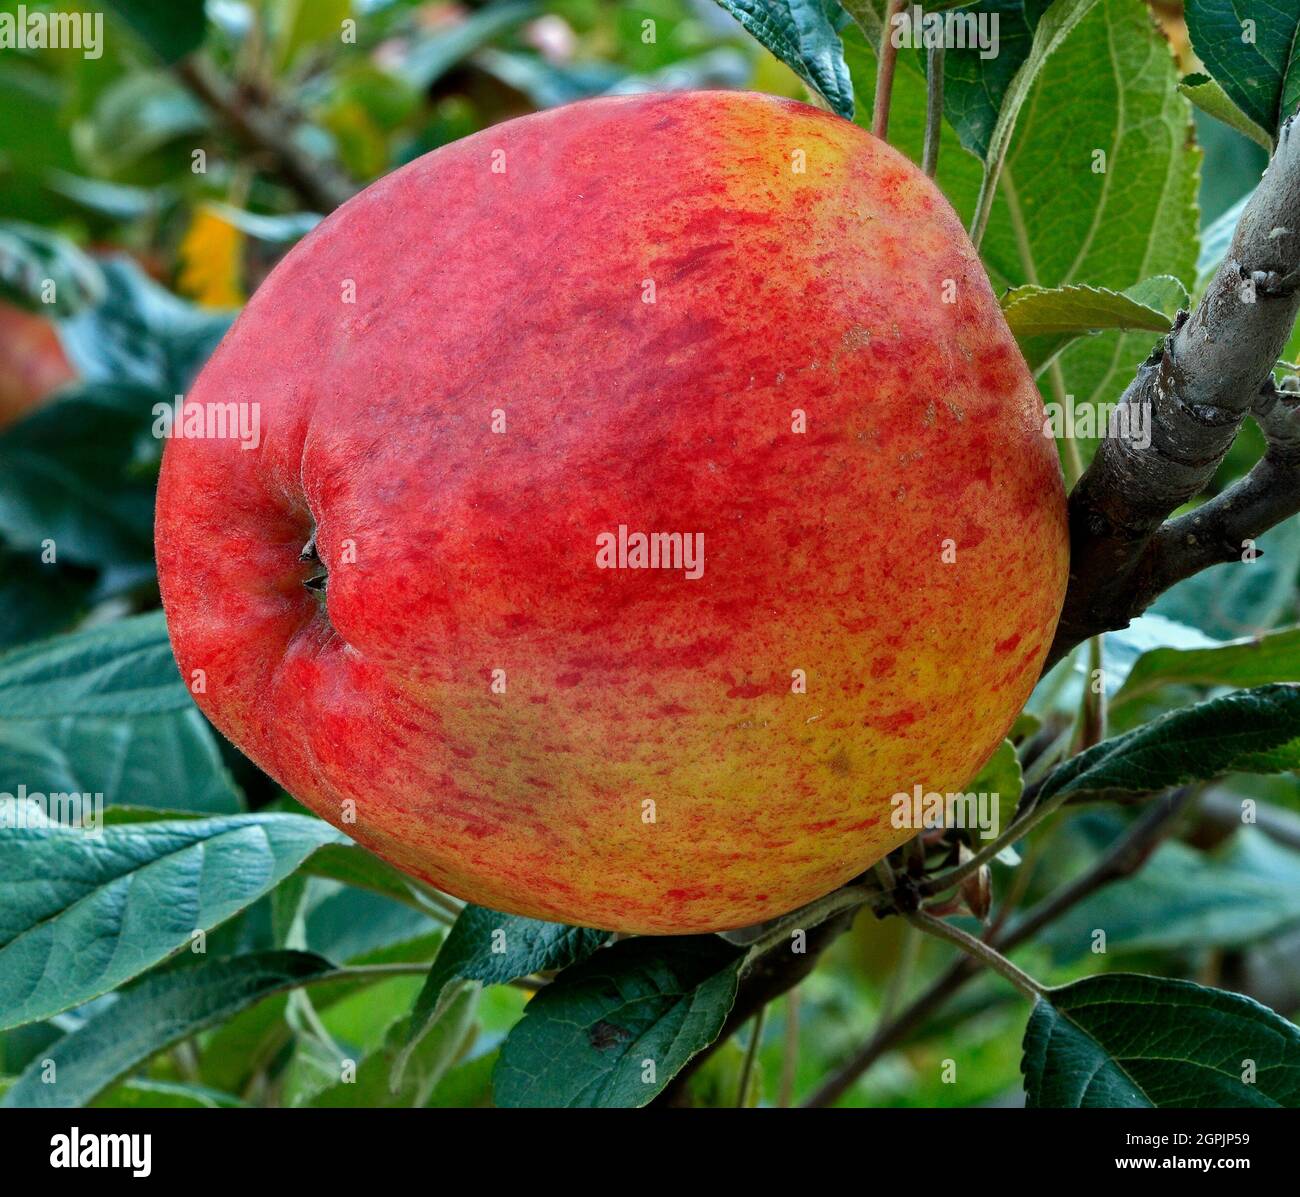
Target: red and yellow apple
x,y
719,315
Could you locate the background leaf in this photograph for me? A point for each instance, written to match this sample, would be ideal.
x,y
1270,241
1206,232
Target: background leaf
x,y
438,51
81,472
141,335
104,711
1257,661
380,1082
804,34
31,258
172,30
1240,598
1185,900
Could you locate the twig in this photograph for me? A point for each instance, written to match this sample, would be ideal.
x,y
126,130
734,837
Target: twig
x,y
790,1056
1122,859
751,1054
933,109
1223,809
980,951
888,58
1091,729
1179,417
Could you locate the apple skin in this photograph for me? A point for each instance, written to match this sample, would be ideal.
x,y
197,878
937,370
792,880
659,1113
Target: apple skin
x,y
32,362
649,767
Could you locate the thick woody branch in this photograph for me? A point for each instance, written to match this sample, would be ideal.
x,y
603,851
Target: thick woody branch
x,y
265,127
1178,419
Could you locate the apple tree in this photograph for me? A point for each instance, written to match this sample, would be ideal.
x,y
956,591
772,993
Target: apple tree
x,y
1127,937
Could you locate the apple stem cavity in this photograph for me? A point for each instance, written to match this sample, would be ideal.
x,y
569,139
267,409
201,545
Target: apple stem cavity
x,y
320,577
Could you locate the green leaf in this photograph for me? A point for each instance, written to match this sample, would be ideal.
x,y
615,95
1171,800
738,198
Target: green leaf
x,y
142,1093
1247,890
1046,319
614,1030
104,711
144,124
280,229
1051,29
351,923
1211,99
43,272
1252,48
297,25
82,913
1111,86
805,35
37,600
141,335
172,30
1254,662
119,201
1144,635
975,84
33,131
381,1083
353,865
1134,1042
723,69
489,948
80,471
1002,776
433,55
1240,598
1248,731
161,1010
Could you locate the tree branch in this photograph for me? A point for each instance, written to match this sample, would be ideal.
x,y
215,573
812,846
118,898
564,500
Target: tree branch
x,y
268,129
1191,397
1219,529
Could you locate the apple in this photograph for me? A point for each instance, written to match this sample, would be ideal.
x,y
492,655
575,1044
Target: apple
x,y
32,362
643,493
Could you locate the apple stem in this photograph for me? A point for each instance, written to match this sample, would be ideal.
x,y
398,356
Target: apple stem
x,y
981,951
